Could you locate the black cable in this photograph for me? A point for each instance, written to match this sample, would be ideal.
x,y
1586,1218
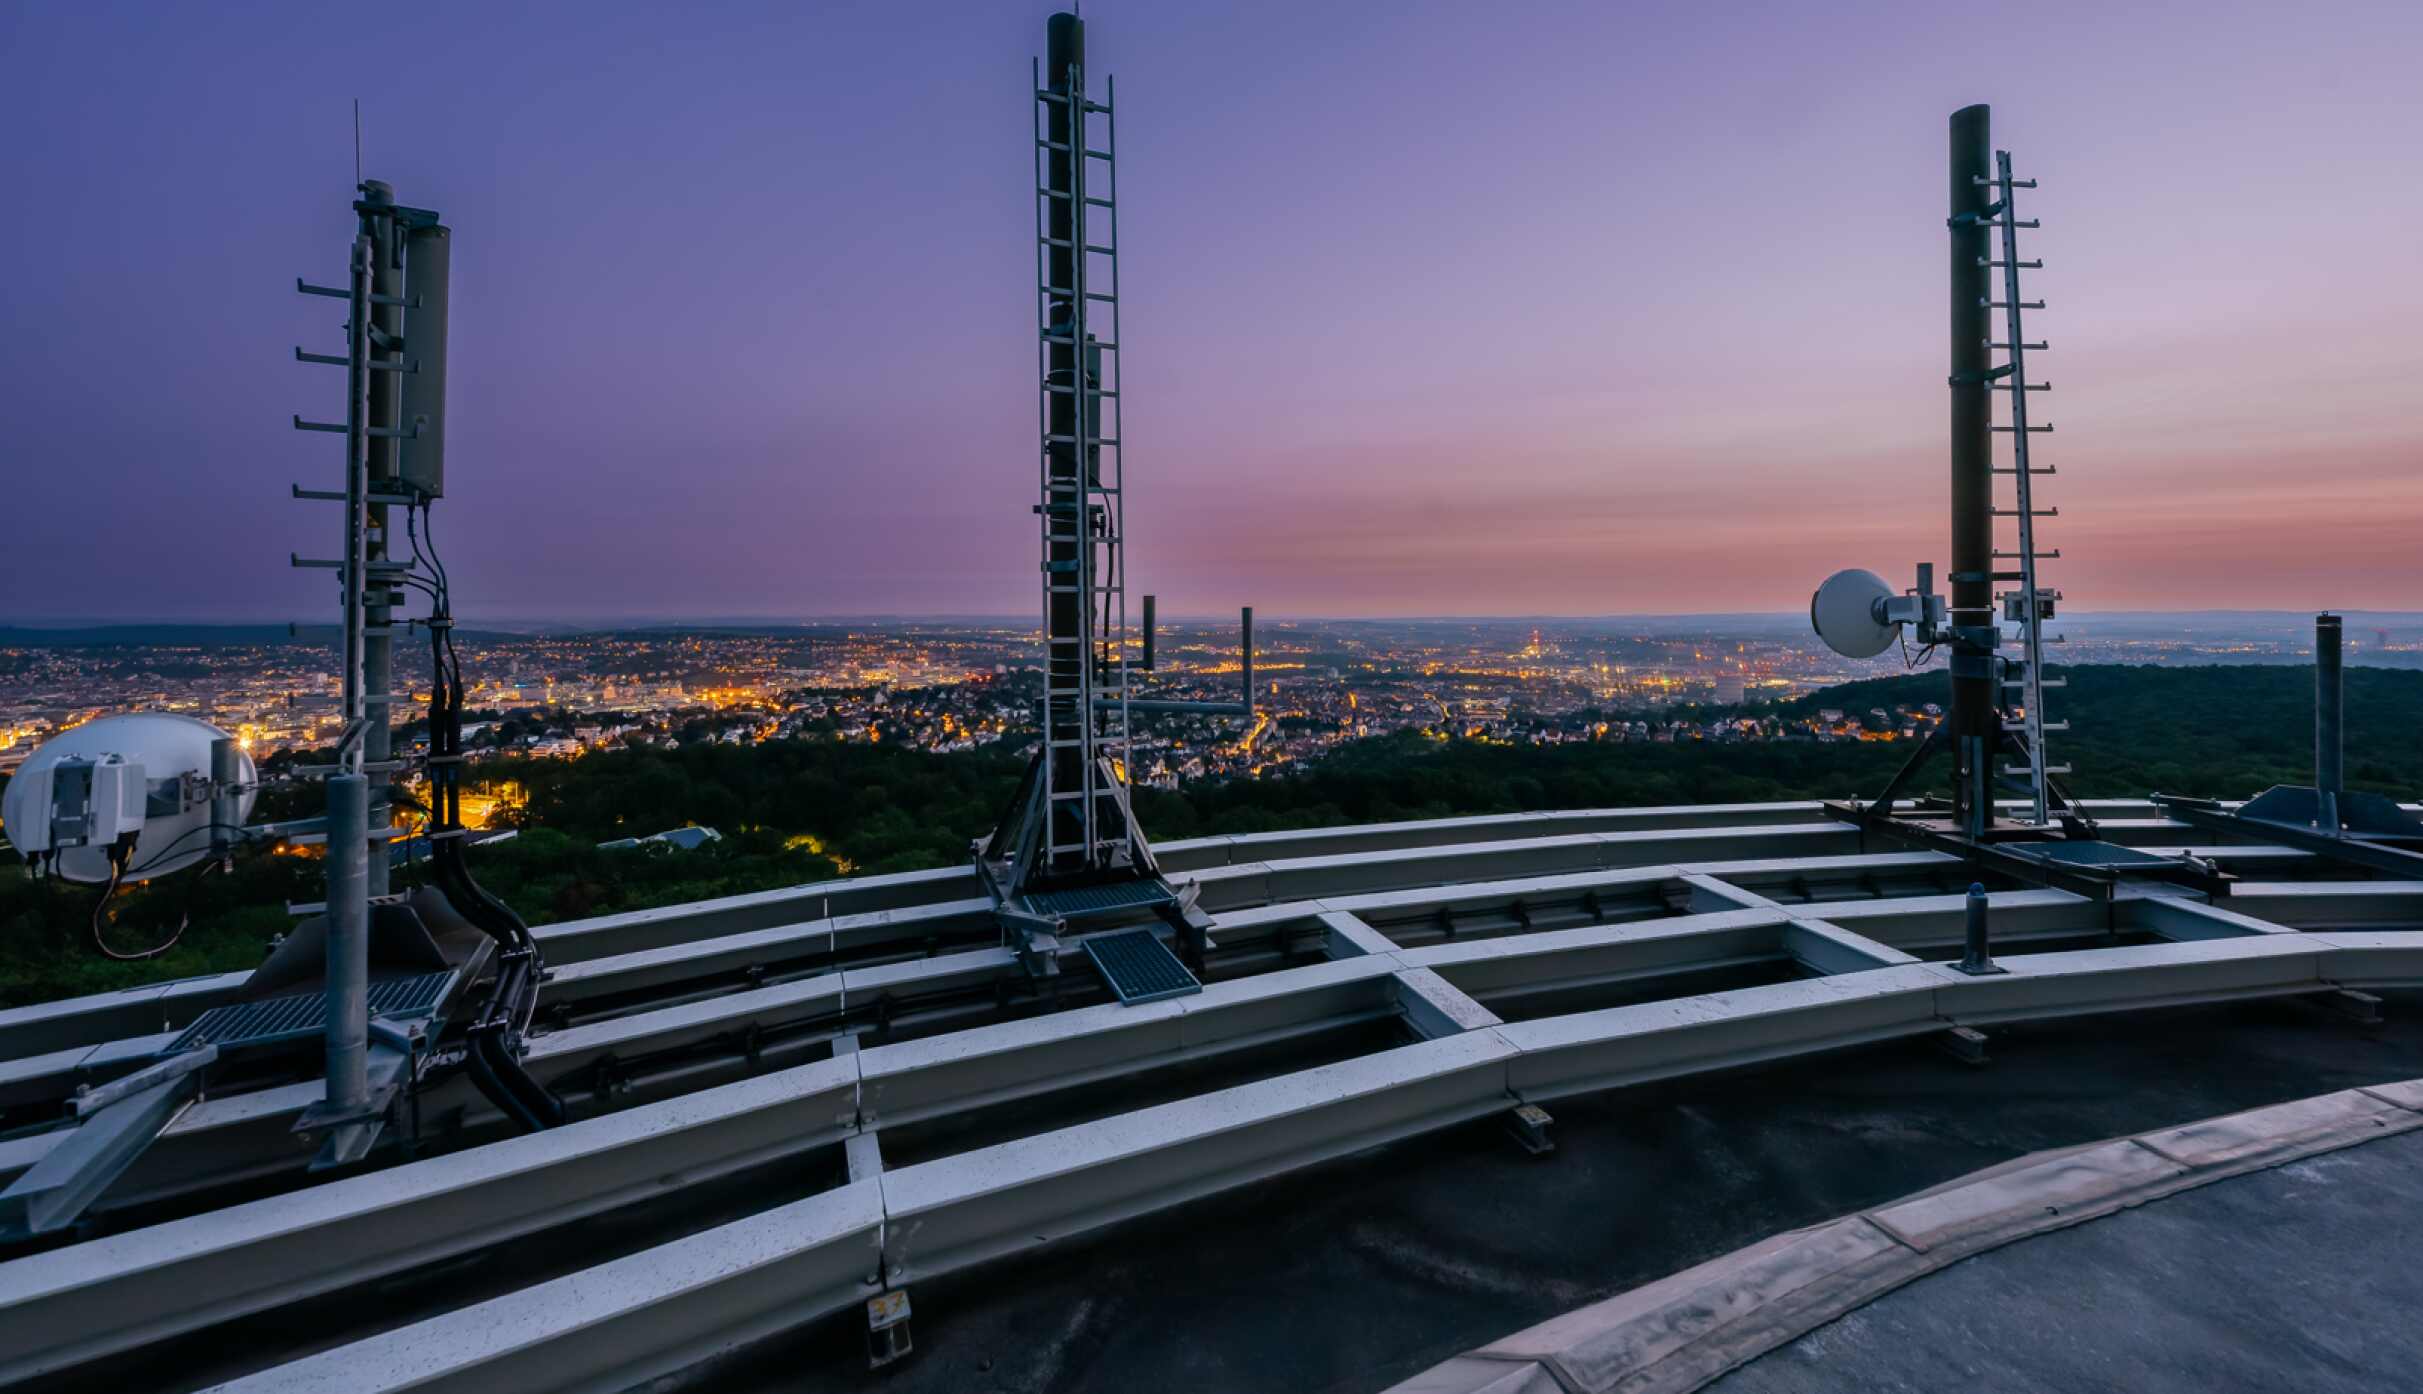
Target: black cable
x,y
117,876
157,857
493,1055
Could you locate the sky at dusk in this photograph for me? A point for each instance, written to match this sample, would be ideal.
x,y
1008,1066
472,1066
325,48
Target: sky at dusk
x,y
1554,308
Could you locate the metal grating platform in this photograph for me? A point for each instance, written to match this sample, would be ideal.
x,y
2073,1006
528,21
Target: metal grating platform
x,y
306,1013
1139,967
1082,901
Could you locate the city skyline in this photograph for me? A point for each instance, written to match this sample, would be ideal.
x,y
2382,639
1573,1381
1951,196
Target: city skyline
x,y
1650,326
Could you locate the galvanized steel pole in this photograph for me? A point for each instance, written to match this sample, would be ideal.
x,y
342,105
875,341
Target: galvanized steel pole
x,y
226,767
348,939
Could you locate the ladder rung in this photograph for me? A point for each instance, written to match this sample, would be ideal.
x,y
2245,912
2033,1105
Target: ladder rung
x,y
2054,555
338,496
2032,430
339,428
2014,469
1104,344
2022,265
1071,391
2031,512
2046,683
334,360
340,293
2031,348
2005,304
1045,94
2023,387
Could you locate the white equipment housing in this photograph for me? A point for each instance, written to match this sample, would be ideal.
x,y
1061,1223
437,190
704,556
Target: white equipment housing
x,y
78,801
145,776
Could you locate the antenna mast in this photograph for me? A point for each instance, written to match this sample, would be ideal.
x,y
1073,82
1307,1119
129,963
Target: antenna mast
x,y
1067,853
1085,726
358,782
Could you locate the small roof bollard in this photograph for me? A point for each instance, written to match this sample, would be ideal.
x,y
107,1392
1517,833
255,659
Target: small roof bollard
x,y
1974,959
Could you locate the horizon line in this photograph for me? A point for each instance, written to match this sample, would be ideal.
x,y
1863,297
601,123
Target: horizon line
x,y
608,621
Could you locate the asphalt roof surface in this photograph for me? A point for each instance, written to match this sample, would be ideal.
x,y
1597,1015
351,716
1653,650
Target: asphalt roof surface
x,y
1363,1272
2302,1277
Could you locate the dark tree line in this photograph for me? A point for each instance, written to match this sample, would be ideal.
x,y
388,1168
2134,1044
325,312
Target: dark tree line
x,y
795,811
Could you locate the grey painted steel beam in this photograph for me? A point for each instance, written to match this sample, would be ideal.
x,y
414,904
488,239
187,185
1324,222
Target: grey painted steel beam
x,y
656,948
914,1080
942,1215
995,1200
1434,1007
2313,904
959,1210
1876,991
54,1026
1348,936
1823,947
627,1322
61,1308
238,1137
1494,970
88,1157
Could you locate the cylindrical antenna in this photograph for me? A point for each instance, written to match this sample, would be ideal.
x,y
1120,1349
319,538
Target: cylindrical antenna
x,y
1245,644
2330,750
1976,720
1148,634
1068,660
388,293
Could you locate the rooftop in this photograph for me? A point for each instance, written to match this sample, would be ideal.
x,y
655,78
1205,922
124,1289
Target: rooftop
x,y
1307,1176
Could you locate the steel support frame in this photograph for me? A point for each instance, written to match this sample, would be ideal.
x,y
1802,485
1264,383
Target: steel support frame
x,y
975,1205
941,1216
561,1054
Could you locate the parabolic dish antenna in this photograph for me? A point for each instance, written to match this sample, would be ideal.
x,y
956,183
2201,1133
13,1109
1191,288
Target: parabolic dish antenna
x,y
171,755
1848,612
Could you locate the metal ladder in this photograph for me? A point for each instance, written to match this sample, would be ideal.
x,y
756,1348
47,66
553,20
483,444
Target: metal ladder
x,y
1085,709
2028,605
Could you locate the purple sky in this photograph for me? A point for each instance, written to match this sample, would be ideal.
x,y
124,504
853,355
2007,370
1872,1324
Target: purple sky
x,y
1536,308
